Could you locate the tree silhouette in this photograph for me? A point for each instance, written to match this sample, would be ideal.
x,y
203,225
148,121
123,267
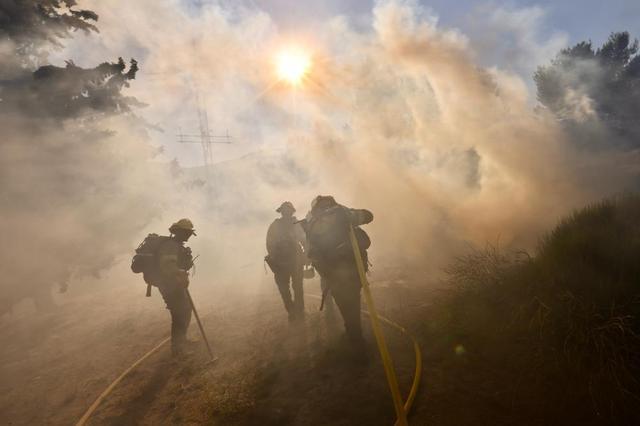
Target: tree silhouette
x,y
34,26
583,86
72,92
31,28
61,161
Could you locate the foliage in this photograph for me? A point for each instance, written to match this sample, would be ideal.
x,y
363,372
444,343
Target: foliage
x,y
73,158
34,26
72,91
582,86
29,86
568,319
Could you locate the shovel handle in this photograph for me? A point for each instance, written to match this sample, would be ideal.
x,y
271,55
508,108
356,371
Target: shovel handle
x,y
195,313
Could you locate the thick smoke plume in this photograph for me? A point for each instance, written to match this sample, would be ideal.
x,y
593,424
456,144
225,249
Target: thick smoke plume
x,y
395,116
74,167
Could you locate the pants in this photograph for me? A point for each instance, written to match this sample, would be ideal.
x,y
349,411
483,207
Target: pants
x,y
344,284
290,275
178,305
326,292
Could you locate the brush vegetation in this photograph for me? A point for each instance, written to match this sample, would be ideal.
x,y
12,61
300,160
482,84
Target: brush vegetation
x,y
553,338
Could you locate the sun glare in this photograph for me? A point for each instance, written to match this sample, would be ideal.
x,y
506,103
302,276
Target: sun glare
x,y
292,65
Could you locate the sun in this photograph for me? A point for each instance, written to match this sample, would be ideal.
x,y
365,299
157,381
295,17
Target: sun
x,y
292,65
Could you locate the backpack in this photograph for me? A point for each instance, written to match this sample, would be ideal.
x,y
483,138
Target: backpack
x,y
145,261
328,236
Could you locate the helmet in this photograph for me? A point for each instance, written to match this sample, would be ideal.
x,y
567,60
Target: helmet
x,y
184,224
286,205
323,201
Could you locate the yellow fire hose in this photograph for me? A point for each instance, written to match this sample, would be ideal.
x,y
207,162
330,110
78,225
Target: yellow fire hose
x,y
402,410
418,371
417,375
108,390
387,362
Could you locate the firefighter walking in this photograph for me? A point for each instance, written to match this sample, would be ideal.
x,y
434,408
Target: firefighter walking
x,y
286,243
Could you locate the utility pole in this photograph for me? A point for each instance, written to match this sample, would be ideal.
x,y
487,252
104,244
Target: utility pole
x,y
205,138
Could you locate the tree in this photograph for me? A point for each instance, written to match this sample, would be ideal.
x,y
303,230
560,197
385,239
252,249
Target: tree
x,y
31,28
583,86
71,92
77,181
34,26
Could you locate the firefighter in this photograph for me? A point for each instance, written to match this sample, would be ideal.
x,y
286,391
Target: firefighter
x,y
286,243
327,228
165,262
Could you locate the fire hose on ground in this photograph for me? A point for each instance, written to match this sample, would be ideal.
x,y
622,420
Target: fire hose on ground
x,y
402,408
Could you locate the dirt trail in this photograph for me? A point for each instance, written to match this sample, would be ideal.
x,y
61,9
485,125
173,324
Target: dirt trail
x,y
52,365
269,371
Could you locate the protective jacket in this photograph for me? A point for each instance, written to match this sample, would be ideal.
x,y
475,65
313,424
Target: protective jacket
x,y
173,260
286,242
328,236
331,253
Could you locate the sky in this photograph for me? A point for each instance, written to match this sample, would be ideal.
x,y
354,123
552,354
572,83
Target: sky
x,y
516,22
516,35
423,113
568,21
513,36
579,19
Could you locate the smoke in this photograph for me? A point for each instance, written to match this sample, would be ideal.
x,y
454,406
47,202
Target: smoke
x,y
517,38
396,116
76,180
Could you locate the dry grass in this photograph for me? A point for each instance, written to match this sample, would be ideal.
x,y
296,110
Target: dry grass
x,y
566,322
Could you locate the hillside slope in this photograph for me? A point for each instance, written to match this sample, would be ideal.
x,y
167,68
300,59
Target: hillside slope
x,y
548,339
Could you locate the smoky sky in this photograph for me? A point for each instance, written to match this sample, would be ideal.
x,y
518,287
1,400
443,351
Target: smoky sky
x,y
398,115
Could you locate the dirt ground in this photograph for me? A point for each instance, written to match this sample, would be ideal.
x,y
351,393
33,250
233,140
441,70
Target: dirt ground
x,y
269,371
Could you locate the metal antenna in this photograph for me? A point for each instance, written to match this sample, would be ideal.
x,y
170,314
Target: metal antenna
x,y
205,138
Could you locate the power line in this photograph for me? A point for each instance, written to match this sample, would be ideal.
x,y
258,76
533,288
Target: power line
x,y
205,138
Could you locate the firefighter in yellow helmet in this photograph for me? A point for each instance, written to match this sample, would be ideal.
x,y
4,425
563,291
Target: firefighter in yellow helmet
x,y
165,262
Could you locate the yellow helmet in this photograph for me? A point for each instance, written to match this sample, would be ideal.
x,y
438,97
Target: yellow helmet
x,y
184,224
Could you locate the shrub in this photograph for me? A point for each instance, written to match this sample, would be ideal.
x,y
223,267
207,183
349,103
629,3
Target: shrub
x,y
567,319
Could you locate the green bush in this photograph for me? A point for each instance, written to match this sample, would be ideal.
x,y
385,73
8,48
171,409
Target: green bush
x,y
567,321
